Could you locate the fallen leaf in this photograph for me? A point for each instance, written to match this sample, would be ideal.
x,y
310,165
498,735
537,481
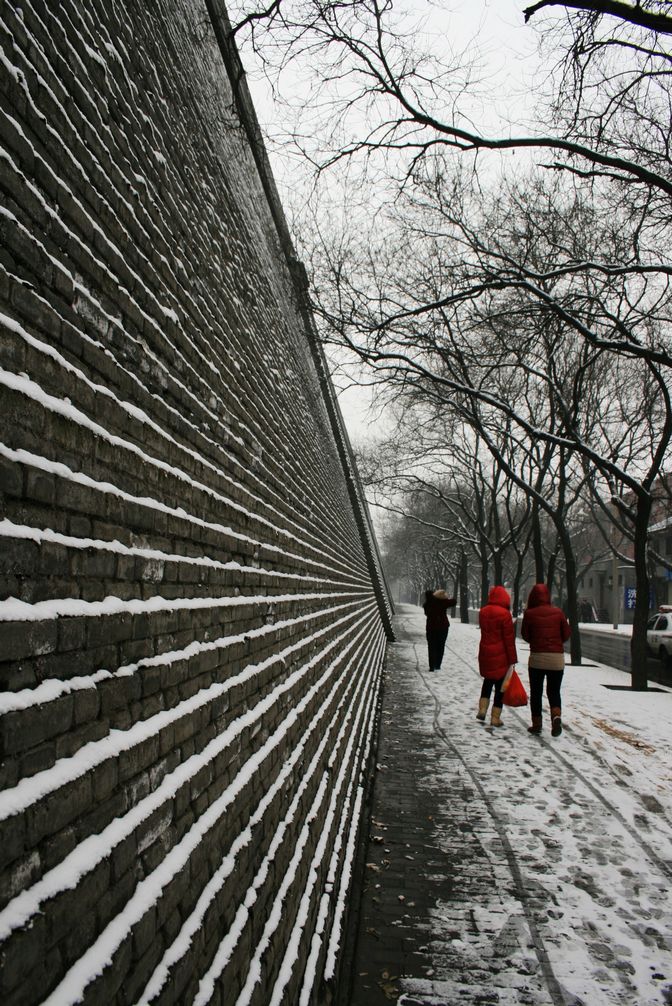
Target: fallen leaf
x,y
635,742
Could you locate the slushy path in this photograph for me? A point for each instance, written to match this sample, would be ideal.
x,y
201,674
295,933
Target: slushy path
x,y
509,869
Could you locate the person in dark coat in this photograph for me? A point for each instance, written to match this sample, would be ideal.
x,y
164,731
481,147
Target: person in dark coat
x,y
436,607
496,652
546,629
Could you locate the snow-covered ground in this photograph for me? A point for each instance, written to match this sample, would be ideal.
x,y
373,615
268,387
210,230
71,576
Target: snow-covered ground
x,y
621,630
579,833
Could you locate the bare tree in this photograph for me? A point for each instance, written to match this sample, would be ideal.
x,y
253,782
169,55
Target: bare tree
x,y
603,280
447,320
436,472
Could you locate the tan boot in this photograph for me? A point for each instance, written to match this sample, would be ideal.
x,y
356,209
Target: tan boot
x,y
496,717
556,721
482,709
536,725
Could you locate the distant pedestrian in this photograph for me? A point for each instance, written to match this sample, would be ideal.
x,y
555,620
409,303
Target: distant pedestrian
x,y
546,629
496,652
436,607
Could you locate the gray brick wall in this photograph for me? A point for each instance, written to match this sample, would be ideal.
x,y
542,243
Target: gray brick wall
x,y
192,615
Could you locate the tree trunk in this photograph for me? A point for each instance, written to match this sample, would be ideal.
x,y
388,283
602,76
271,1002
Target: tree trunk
x,y
464,588
517,577
572,600
497,566
456,582
537,547
638,651
485,583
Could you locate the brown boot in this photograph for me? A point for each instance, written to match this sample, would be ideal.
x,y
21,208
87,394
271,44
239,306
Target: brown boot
x,y
536,725
482,709
556,721
496,717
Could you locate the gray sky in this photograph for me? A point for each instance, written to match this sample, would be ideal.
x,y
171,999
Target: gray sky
x,y
493,32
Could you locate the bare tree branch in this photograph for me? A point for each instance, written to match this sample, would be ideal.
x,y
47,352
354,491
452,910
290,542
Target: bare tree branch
x,y
625,12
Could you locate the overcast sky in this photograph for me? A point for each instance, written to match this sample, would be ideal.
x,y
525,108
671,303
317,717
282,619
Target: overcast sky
x,y
492,30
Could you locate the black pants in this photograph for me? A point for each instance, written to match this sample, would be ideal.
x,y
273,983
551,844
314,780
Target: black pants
x,y
436,643
486,690
553,685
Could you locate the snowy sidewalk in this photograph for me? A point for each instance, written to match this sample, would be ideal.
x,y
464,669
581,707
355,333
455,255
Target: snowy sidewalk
x,y
509,869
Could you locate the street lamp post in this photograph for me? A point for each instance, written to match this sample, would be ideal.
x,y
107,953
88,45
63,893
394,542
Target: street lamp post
x,y
614,571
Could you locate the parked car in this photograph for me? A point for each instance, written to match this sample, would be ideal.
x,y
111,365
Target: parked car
x,y
659,635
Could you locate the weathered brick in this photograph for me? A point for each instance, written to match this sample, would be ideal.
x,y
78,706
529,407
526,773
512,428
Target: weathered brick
x,y
108,629
58,846
80,934
79,526
23,873
11,477
26,728
19,556
40,486
103,989
117,693
59,809
136,980
37,759
86,705
24,950
75,902
144,933
139,757
68,744
27,639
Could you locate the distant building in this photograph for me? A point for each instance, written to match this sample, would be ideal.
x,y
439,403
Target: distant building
x,y
596,585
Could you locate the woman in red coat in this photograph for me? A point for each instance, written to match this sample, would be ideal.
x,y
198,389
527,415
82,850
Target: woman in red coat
x,y
546,629
496,652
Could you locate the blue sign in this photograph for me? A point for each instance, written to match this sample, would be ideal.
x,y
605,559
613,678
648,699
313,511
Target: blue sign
x,y
630,596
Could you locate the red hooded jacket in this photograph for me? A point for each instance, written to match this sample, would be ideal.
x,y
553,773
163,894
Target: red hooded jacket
x,y
497,649
544,626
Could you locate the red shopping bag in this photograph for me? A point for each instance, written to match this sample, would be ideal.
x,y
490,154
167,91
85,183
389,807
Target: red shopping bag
x,y
513,691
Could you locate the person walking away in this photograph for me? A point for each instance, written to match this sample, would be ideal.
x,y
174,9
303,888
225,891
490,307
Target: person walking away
x,y
496,651
546,629
436,607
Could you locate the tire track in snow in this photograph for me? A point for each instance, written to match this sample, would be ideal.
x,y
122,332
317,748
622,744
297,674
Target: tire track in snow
x,y
557,995
661,865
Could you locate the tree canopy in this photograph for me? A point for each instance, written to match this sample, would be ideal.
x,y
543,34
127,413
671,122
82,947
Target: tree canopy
x,y
530,305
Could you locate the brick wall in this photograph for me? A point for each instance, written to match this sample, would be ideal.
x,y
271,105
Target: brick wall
x,y
192,615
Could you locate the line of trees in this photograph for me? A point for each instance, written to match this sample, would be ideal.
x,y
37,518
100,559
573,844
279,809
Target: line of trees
x,y
463,515
521,317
